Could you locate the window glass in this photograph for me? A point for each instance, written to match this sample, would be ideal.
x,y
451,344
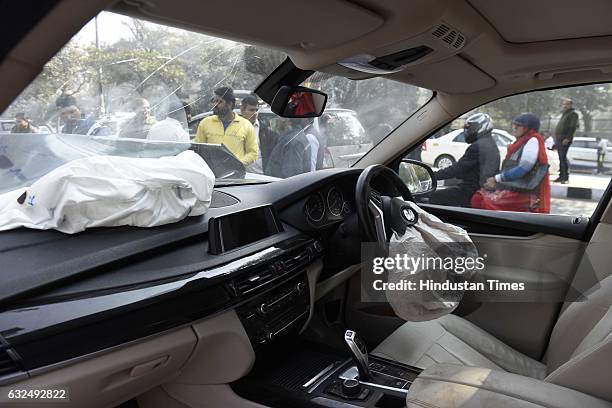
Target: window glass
x,y
460,138
128,87
499,168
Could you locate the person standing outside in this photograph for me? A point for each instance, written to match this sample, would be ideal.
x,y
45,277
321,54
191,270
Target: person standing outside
x,y
313,142
249,109
138,127
564,135
173,127
23,125
602,148
292,152
74,122
229,129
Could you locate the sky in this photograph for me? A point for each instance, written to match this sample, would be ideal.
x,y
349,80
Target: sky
x,y
111,28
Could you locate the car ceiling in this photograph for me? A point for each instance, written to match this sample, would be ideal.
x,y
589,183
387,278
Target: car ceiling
x,y
507,47
525,21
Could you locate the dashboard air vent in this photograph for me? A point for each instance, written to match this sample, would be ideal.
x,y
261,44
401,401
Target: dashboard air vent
x,y
7,364
449,36
297,259
252,281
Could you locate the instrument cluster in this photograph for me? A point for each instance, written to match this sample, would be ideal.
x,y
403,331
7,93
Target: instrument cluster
x,y
326,206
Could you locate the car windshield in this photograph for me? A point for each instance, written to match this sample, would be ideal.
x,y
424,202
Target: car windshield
x,y
127,87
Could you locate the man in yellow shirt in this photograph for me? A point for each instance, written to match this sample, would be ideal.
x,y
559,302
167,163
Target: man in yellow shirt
x,y
227,128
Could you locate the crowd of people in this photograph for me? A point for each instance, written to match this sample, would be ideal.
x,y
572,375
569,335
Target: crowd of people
x,y
292,147
522,182
519,182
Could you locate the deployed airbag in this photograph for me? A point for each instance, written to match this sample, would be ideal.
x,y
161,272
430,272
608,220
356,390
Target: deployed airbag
x,y
108,191
438,261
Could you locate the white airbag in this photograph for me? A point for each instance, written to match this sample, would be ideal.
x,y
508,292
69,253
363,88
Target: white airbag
x,y
109,191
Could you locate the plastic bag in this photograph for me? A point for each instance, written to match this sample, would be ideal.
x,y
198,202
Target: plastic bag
x,y
436,253
108,191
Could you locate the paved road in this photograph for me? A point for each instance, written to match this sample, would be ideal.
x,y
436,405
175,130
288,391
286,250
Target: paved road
x,y
587,180
575,207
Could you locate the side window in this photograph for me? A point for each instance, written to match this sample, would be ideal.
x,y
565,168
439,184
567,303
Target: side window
x,y
542,152
460,138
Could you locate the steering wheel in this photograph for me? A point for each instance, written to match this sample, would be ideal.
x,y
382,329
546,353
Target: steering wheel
x,y
380,211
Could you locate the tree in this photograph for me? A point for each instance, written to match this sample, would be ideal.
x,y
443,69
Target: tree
x,y
262,61
588,99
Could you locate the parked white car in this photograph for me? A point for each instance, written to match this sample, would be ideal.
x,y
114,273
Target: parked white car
x,y
583,152
447,149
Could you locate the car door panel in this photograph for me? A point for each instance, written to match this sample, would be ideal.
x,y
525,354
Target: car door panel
x,y
542,251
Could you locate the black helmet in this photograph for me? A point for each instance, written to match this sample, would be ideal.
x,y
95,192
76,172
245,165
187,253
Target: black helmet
x,y
476,125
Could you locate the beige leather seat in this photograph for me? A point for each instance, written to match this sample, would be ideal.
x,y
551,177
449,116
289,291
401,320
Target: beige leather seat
x,y
579,353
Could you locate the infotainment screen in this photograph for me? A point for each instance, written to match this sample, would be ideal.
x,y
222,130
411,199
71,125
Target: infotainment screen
x,y
242,228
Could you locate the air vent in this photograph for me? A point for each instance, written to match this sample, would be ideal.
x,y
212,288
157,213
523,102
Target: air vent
x,y
298,259
252,281
459,42
441,31
449,36
7,364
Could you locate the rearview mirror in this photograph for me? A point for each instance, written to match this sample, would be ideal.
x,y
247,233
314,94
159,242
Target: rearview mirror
x,y
298,102
418,176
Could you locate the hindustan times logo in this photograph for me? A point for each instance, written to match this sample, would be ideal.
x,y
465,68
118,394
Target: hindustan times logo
x,y
414,264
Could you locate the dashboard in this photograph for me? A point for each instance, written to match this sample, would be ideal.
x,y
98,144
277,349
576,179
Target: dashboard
x,y
123,284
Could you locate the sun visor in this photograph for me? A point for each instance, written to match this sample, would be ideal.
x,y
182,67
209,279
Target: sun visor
x,y
453,75
314,24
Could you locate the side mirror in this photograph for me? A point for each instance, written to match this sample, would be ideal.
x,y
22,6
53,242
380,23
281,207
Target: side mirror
x,y
418,176
298,102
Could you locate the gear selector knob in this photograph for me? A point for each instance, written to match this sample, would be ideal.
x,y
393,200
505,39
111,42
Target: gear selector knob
x,y
359,353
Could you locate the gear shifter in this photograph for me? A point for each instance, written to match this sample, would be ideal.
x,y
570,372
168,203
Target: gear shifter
x,y
359,353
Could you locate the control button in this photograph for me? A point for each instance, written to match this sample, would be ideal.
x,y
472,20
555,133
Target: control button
x,y
337,389
263,309
317,246
269,336
399,384
279,267
300,287
351,387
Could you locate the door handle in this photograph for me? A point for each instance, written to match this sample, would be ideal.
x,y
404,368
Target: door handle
x,y
149,366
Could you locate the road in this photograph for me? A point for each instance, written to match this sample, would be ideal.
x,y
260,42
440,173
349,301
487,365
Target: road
x,y
575,207
579,207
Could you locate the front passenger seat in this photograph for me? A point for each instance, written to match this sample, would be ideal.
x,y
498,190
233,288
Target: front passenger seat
x,y
579,354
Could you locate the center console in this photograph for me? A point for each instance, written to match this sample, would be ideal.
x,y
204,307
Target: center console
x,y
386,386
278,312
301,377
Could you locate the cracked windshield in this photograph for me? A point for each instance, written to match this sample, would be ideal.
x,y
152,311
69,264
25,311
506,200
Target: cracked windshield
x,y
126,87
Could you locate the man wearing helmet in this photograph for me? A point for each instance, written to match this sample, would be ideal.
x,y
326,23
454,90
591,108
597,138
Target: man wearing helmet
x,y
479,162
